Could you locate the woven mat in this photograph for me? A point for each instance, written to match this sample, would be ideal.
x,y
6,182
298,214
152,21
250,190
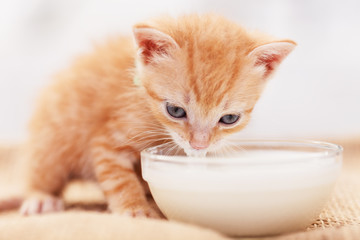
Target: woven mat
x,y
343,209
340,219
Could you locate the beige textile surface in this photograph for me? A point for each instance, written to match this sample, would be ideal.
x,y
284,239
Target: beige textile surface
x,y
86,218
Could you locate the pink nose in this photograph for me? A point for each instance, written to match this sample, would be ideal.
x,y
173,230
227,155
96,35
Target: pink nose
x,y
199,140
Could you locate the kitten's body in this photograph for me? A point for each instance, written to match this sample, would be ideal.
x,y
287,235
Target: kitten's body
x,y
93,121
88,115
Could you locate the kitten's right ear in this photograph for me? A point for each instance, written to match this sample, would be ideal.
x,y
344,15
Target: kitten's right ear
x,y
270,55
152,43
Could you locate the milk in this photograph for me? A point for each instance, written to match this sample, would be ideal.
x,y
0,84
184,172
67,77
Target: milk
x,y
254,193
245,213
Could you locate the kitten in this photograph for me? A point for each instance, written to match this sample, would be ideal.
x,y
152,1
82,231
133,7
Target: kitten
x,y
189,82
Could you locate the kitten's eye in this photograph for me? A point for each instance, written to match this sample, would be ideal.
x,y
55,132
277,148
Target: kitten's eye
x,y
175,111
229,119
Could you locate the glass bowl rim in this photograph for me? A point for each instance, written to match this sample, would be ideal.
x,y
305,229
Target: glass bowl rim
x,y
333,150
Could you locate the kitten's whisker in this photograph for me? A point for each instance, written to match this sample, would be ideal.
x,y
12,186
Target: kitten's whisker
x,y
167,149
173,148
170,148
178,150
235,147
142,137
145,139
149,133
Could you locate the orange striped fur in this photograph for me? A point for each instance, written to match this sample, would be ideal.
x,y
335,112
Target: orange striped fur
x,y
93,121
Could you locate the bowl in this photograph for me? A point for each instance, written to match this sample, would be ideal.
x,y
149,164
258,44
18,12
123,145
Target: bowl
x,y
259,187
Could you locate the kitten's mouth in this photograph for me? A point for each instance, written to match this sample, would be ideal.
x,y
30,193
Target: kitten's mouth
x,y
195,152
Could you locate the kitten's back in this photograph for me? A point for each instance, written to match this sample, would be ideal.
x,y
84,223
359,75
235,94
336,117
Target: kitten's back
x,y
80,100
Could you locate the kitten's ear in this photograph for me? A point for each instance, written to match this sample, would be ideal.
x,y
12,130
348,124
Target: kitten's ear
x,y
270,55
152,43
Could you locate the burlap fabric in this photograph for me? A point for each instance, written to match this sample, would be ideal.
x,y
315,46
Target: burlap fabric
x,y
86,218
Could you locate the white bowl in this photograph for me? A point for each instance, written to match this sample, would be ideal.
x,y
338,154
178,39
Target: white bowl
x,y
262,188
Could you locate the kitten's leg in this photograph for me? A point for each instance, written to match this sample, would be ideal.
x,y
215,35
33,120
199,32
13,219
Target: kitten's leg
x,y
45,178
115,172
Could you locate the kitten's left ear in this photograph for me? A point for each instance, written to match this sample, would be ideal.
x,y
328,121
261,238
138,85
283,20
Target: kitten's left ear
x,y
153,43
270,55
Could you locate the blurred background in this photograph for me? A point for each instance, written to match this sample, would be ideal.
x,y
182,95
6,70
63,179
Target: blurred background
x,y
315,93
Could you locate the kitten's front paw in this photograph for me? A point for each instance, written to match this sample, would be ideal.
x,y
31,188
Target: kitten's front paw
x,y
39,205
143,212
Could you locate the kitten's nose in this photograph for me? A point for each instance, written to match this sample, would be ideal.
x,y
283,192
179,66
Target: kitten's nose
x,y
199,140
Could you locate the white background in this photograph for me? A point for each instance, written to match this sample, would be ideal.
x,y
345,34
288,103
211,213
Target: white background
x,y
315,94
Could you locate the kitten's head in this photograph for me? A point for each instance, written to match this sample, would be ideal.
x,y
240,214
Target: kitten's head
x,y
203,76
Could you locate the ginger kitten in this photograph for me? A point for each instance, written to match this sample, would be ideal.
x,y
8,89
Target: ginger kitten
x,y
190,82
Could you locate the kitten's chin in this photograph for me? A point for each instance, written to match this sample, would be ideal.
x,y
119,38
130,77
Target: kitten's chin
x,y
195,153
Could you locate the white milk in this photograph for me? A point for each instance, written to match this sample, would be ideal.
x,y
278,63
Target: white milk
x,y
246,199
